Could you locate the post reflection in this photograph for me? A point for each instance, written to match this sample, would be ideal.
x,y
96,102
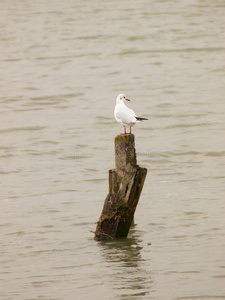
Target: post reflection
x,y
126,268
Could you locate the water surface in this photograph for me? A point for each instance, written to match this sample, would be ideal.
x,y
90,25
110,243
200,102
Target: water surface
x,y
62,65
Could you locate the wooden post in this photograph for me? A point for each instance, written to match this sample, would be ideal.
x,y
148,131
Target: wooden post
x,y
125,185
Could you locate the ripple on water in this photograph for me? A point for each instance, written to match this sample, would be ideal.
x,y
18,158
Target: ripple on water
x,y
62,67
215,153
28,128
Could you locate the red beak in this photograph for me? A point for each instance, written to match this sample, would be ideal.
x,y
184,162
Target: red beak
x,y
127,99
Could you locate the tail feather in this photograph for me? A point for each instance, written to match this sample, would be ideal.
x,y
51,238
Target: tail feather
x,y
140,119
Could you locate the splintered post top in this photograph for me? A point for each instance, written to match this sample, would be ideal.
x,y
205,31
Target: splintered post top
x,y
124,151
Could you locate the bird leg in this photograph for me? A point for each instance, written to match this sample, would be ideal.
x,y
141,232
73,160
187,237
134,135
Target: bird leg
x,y
125,130
130,130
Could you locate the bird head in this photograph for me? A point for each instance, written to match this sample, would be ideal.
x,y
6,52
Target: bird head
x,y
121,98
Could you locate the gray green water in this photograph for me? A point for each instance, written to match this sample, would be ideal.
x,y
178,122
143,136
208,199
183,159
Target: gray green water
x,y
62,65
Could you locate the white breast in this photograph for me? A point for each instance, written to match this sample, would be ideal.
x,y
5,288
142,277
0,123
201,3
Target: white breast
x,y
124,115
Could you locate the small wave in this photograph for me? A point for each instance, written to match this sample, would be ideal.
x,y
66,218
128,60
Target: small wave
x,y
182,153
56,97
29,128
134,51
201,297
187,125
215,153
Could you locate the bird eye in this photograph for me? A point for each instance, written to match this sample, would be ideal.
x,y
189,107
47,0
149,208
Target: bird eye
x,y
124,97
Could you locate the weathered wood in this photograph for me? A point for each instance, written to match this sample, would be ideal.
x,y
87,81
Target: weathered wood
x,y
125,186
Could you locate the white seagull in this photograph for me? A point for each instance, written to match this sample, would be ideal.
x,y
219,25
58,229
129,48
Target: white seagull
x,y
125,115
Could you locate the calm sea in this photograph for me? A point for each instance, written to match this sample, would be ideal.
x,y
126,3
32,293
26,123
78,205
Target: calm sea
x,y
62,65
